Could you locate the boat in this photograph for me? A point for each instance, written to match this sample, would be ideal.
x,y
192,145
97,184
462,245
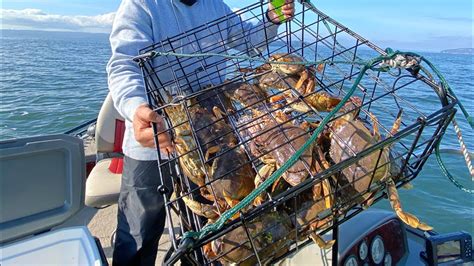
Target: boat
x,y
59,193
52,186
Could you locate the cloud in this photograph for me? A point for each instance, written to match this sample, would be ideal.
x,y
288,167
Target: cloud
x,y
35,19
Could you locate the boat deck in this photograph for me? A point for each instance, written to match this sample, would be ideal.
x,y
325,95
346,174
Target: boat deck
x,y
103,222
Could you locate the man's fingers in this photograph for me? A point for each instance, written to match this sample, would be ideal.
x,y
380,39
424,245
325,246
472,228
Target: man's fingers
x,y
288,4
165,140
152,116
145,114
145,136
288,9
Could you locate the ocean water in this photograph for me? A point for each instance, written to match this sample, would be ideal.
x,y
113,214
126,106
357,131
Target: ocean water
x,y
51,82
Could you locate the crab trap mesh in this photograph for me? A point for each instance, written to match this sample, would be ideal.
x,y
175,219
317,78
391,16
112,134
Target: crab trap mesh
x,y
239,101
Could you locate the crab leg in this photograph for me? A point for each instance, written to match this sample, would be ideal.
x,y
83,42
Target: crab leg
x,y
323,188
375,127
303,77
212,150
321,242
205,210
327,193
309,86
263,174
218,113
397,123
393,131
407,218
318,238
208,252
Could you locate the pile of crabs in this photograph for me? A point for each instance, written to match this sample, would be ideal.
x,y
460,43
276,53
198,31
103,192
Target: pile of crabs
x,y
234,154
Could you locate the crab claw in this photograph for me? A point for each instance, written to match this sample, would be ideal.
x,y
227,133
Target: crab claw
x,y
407,218
353,105
320,101
205,210
323,244
323,101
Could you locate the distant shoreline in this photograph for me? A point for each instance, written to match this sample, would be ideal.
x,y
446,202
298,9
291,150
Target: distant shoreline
x,y
465,51
41,33
80,34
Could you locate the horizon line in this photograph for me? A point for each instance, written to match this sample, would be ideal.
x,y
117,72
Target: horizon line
x,y
107,34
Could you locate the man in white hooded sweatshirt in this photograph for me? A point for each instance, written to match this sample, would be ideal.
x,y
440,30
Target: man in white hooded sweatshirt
x,y
138,24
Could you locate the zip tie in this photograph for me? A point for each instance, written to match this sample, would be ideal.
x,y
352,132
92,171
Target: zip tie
x,y
174,102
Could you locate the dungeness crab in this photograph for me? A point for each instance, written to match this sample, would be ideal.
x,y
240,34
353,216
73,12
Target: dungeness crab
x,y
286,77
225,164
271,236
350,136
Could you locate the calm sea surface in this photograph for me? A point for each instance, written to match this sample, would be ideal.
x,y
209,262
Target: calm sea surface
x,y
51,82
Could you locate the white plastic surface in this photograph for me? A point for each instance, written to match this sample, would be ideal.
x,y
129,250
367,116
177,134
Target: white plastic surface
x,y
69,246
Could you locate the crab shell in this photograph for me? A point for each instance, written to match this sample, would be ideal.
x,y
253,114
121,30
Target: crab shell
x,y
298,172
245,94
274,80
211,131
287,69
227,166
352,137
232,175
185,144
270,234
275,144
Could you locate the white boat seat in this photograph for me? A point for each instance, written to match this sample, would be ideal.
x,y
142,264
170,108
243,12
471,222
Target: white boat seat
x,y
103,183
103,186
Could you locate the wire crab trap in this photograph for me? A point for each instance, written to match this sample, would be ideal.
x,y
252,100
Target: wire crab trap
x,y
282,135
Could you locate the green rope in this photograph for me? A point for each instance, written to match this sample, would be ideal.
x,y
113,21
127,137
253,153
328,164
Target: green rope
x,y
446,172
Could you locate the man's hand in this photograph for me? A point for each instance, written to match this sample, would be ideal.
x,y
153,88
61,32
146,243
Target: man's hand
x,y
288,10
143,131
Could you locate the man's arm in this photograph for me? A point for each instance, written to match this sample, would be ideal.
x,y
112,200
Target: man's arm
x,y
241,32
131,31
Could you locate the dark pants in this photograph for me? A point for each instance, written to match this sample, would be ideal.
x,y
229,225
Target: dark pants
x,y
141,213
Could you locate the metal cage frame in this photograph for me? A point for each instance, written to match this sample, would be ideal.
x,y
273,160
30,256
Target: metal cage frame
x,y
316,37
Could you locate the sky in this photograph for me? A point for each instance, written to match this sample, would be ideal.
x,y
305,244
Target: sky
x,y
429,25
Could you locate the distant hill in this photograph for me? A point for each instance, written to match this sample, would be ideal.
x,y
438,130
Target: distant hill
x,y
39,34
469,51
